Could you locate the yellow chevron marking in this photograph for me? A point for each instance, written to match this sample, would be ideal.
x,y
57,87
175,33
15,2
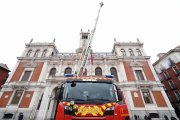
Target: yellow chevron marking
x,y
104,107
109,104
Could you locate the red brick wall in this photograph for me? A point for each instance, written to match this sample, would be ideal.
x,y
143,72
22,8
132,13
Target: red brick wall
x,y
147,71
19,71
138,102
159,99
174,78
3,76
26,99
5,98
37,72
129,71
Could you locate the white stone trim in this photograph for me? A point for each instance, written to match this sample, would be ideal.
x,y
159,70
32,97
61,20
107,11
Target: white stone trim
x,y
43,74
139,68
122,72
26,69
12,96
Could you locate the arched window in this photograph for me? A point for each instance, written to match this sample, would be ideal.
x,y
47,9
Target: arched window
x,y
131,52
44,53
83,73
52,54
68,70
29,53
123,52
114,72
36,53
52,72
98,71
139,52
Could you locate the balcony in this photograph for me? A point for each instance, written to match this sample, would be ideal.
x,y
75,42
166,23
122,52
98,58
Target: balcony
x,y
24,84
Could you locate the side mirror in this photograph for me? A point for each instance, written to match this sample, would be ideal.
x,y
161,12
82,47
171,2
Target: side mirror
x,y
58,95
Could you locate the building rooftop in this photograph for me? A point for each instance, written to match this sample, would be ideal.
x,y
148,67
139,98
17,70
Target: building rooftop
x,y
4,66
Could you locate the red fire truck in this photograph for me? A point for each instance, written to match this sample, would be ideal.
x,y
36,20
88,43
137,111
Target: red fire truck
x,y
90,98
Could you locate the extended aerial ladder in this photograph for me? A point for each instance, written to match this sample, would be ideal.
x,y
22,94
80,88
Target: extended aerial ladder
x,y
85,54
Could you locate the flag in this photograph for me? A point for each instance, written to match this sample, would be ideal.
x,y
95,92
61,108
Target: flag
x,y
92,57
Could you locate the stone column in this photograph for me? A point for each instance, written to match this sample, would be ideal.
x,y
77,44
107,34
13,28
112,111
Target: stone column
x,y
44,104
49,113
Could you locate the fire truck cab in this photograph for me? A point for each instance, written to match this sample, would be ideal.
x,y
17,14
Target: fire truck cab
x,y
90,98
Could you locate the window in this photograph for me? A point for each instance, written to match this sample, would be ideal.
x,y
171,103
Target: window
x,y
175,69
139,52
84,37
114,72
170,62
28,53
44,53
171,83
98,71
8,116
52,54
26,76
17,97
52,72
166,74
147,97
153,115
123,52
83,72
131,52
177,94
68,70
36,53
139,75
39,102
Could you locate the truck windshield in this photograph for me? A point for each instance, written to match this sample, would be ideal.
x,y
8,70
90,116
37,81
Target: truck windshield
x,y
89,92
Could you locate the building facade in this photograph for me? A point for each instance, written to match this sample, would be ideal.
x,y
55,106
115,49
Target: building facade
x,y
4,72
40,69
168,70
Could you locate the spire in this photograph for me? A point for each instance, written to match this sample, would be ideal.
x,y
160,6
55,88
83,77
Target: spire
x,y
114,40
138,40
31,40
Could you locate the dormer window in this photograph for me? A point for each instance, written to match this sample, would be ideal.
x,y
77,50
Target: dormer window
x,y
123,52
29,53
175,69
139,52
44,53
84,36
36,53
131,52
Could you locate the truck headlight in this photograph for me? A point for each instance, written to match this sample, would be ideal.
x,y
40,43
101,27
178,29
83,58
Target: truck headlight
x,y
109,111
110,108
68,108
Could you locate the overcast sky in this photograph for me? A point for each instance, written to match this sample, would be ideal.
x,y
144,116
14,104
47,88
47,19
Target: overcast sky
x,y
155,22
